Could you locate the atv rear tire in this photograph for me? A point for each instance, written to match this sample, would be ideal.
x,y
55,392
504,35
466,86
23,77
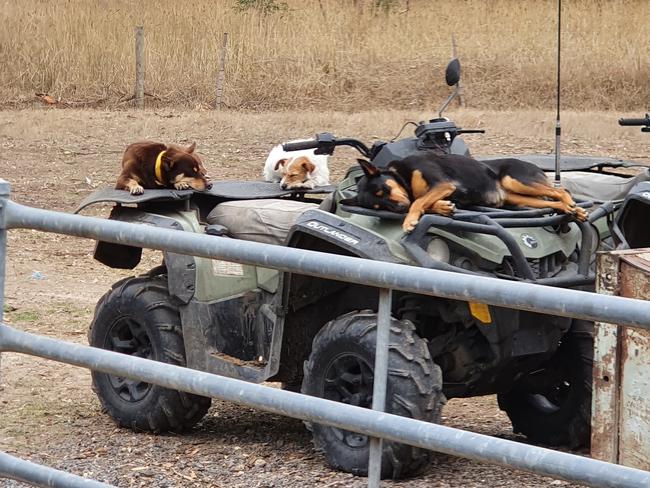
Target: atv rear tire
x,y
137,317
552,406
341,368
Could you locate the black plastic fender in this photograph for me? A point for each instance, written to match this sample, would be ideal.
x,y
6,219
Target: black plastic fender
x,y
180,268
630,229
335,230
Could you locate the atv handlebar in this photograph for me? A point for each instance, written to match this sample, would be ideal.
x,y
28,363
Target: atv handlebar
x,y
644,121
324,143
632,121
298,146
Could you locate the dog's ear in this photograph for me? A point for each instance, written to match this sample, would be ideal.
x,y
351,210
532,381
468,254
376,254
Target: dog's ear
x,y
308,165
281,162
368,168
191,148
353,202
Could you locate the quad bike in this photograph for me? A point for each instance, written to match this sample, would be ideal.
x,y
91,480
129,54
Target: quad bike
x,y
318,335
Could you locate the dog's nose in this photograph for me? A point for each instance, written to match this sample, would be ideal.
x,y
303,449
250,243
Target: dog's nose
x,y
208,185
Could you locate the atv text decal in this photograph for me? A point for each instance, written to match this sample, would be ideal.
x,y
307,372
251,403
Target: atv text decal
x,y
332,232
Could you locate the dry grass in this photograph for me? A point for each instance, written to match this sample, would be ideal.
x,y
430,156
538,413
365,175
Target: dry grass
x,y
330,53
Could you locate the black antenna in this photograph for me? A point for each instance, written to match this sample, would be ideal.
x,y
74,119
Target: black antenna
x,y
558,128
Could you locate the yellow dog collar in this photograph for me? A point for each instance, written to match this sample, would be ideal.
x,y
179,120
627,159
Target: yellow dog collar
x,y
158,169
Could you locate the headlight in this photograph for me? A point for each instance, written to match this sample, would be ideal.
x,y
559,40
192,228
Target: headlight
x,y
438,250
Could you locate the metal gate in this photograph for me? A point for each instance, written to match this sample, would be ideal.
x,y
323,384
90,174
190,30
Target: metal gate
x,y
373,423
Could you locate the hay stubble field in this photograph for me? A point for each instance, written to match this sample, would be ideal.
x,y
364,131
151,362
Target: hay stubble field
x,y
347,55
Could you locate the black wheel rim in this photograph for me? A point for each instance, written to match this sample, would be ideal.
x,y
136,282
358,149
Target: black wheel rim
x,y
554,387
127,336
349,379
551,400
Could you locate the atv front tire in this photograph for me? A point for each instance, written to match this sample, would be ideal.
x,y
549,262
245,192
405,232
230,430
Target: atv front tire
x,y
341,368
137,317
552,406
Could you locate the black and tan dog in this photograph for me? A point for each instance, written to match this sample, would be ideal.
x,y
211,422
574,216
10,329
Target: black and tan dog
x,y
435,183
155,165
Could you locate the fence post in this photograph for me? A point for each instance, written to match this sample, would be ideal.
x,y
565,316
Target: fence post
x,y
379,382
139,67
222,72
4,197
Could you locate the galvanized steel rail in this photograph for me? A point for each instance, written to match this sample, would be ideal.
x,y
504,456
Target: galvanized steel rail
x,y
369,422
445,284
21,470
382,275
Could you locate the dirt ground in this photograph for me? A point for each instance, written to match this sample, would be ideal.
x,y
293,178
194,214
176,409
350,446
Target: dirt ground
x,y
48,414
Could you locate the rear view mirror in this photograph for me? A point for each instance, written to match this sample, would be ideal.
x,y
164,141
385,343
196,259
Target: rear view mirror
x,y
452,73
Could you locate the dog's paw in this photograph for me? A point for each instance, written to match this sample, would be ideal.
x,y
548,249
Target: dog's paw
x,y
409,224
303,185
570,202
181,185
444,207
136,190
580,214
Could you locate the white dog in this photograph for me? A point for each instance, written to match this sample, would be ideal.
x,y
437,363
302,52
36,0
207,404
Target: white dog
x,y
296,169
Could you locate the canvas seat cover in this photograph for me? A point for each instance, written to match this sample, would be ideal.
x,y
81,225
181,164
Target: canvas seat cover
x,y
600,187
267,220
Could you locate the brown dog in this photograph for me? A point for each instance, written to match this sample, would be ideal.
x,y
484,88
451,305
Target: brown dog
x,y
155,165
